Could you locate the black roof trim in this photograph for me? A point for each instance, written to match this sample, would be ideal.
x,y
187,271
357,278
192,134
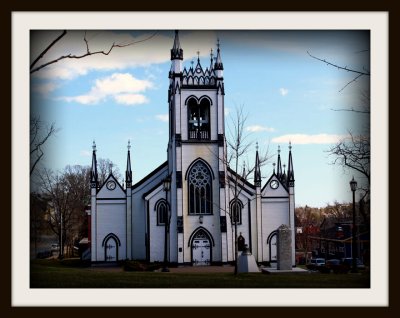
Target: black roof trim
x,y
156,170
152,189
241,179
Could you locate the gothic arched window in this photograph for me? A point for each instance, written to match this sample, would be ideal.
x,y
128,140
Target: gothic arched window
x,y
236,211
199,119
162,212
200,194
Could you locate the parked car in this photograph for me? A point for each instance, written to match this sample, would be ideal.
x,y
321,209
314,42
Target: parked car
x,y
349,262
336,266
316,264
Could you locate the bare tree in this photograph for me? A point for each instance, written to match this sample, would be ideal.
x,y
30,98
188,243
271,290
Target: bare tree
x,y
104,168
39,135
235,158
354,152
88,52
68,194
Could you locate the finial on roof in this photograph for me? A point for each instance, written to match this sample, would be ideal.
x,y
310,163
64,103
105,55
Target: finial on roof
x,y
198,55
94,146
279,149
290,145
129,145
256,145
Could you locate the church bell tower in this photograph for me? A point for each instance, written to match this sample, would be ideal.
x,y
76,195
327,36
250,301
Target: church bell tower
x,y
196,153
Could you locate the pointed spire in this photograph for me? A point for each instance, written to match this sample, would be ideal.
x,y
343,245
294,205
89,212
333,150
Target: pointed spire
x,y
211,59
93,172
290,176
257,170
128,173
273,171
244,170
279,163
218,61
176,51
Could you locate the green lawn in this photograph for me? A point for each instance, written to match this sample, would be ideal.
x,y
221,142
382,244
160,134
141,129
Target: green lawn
x,y
52,274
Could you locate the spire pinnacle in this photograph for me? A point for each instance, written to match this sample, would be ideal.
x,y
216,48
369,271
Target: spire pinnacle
x,y
93,171
128,172
274,164
211,59
257,170
290,174
218,62
176,51
279,163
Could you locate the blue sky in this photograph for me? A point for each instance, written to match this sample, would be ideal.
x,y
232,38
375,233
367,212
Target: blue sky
x,y
286,94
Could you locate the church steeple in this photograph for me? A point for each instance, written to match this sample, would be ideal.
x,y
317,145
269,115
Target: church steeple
x,y
257,170
176,51
93,172
128,173
290,176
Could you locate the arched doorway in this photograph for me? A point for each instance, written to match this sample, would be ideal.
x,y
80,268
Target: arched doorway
x,y
271,241
111,243
201,249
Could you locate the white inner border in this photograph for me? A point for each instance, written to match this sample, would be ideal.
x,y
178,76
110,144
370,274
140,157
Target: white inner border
x,y
23,22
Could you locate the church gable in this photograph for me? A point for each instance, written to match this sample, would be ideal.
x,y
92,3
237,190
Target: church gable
x,y
111,189
274,188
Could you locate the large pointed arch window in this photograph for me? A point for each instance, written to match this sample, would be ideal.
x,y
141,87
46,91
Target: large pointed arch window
x,y
199,119
200,191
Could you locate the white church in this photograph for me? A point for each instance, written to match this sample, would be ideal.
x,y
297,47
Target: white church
x,y
181,210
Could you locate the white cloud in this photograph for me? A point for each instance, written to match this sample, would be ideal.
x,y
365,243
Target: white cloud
x,y
85,153
162,117
123,87
303,139
131,99
283,91
258,128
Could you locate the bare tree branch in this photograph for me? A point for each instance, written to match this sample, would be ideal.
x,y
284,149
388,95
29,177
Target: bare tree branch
x,y
345,68
351,110
88,52
37,139
48,48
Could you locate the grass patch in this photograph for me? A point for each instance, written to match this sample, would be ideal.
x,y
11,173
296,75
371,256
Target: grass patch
x,y
55,274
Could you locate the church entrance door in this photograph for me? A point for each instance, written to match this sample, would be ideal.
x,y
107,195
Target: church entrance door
x,y
111,250
201,252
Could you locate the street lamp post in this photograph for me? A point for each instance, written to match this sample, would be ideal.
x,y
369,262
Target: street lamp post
x,y
353,187
167,216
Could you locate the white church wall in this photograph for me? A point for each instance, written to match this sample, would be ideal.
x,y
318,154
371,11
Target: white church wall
x,y
275,212
111,218
157,232
139,212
